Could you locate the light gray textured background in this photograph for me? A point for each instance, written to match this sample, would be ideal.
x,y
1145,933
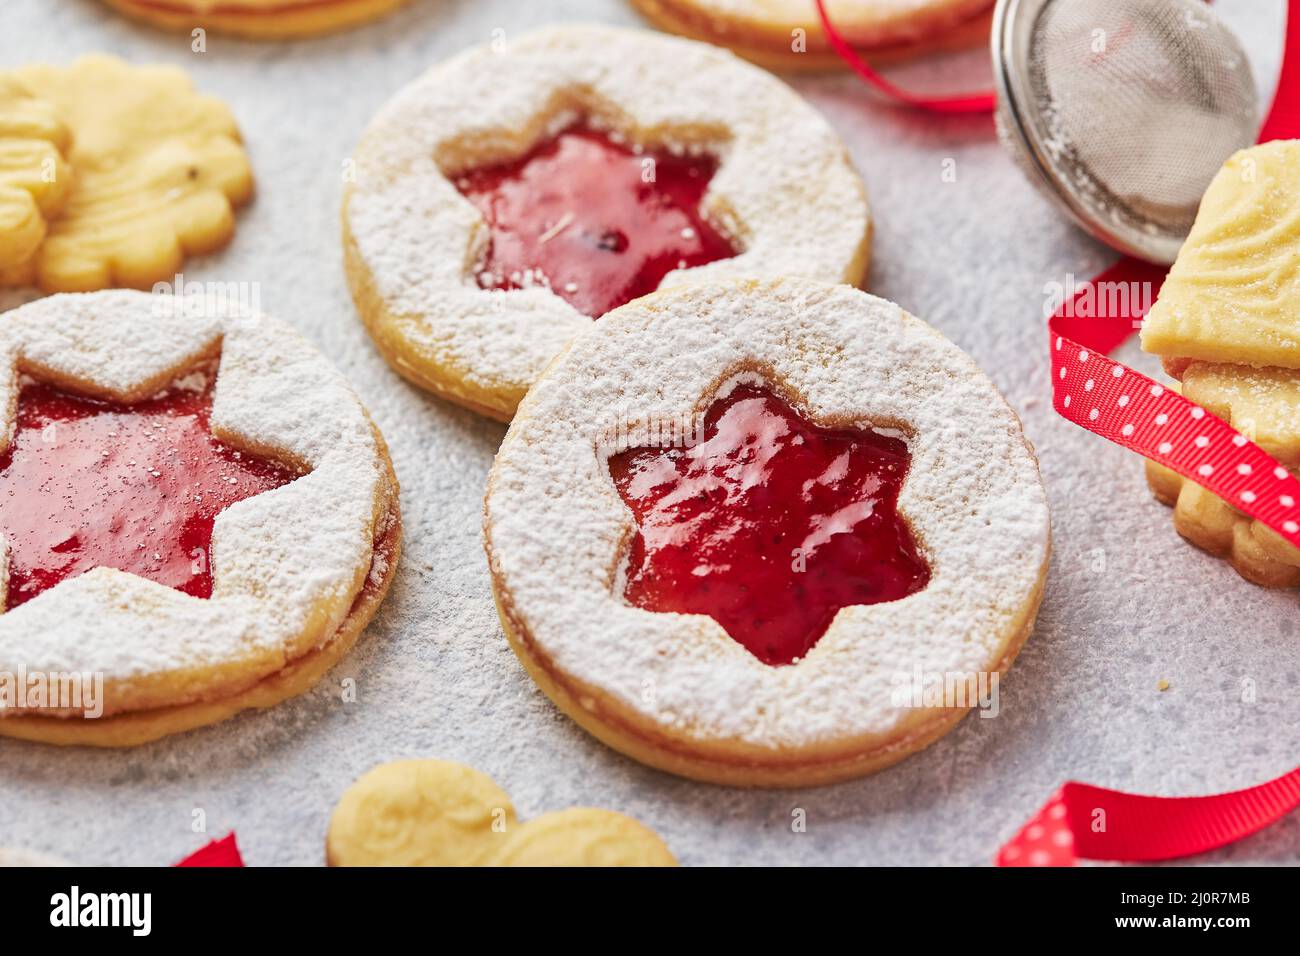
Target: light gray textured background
x,y
434,674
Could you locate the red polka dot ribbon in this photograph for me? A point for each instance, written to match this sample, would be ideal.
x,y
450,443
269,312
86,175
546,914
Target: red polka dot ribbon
x,y
1118,403
1132,410
1114,401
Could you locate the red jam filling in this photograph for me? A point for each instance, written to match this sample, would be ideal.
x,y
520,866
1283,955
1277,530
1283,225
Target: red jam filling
x,y
88,483
769,524
596,221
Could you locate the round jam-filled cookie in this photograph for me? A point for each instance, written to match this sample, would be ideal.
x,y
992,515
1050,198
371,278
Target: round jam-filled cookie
x,y
258,19
742,531
154,170
197,516
438,813
788,34
510,196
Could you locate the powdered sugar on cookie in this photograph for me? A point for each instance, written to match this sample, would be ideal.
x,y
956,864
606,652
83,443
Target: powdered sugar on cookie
x,y
557,530
784,192
286,564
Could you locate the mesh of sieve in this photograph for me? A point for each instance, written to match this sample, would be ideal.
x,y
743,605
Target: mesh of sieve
x,y
1123,110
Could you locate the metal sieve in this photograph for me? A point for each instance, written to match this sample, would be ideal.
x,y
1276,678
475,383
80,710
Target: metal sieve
x,y
1122,111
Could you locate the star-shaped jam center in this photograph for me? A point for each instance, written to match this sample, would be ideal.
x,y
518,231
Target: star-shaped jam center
x,y
87,483
596,221
769,524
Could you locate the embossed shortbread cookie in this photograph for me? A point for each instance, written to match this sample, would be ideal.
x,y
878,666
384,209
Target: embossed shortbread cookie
x,y
34,177
258,19
511,195
1227,323
208,516
1233,294
787,34
156,168
1262,403
740,529
438,813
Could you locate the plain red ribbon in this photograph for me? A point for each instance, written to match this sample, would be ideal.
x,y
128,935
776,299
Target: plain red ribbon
x,y
1092,823
982,102
222,852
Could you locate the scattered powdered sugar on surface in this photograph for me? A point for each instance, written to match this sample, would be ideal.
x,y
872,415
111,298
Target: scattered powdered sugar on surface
x,y
784,190
274,556
973,496
1128,601
20,857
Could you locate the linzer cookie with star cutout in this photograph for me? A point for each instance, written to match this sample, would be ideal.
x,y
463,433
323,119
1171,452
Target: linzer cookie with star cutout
x,y
519,191
733,525
197,516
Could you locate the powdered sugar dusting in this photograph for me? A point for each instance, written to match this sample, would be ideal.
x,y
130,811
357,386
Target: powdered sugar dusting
x,y
286,563
784,190
435,677
556,527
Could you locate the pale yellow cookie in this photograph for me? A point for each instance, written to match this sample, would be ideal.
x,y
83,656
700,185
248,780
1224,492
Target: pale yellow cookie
x,y
157,168
258,19
34,176
1233,295
439,813
583,836
1264,404
787,34
419,813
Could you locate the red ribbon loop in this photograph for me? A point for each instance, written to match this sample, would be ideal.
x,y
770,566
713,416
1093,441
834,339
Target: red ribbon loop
x,y
982,102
